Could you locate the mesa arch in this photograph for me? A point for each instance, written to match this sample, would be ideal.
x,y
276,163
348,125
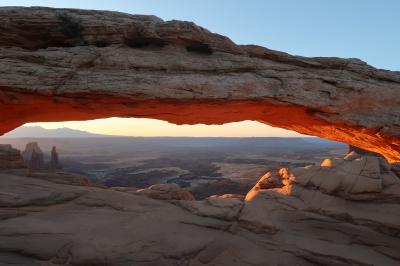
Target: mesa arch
x,y
68,64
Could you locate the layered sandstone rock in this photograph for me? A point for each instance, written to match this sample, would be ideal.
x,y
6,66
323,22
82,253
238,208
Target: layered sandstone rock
x,y
54,163
46,223
10,158
354,177
35,160
166,192
220,208
64,64
343,212
62,178
33,157
228,196
29,148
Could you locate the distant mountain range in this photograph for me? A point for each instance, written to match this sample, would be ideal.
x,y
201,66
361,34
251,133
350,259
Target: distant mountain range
x,y
40,132
72,142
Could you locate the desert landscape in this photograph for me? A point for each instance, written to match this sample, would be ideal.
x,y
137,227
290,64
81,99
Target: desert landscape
x,y
204,166
329,195
134,210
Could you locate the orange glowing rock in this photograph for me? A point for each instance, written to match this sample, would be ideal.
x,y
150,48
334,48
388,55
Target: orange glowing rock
x,y
83,65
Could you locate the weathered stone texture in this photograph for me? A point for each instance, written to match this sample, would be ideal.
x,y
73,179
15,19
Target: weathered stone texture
x,y
67,64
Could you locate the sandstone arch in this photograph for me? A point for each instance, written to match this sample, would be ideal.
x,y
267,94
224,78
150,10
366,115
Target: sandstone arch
x,y
65,64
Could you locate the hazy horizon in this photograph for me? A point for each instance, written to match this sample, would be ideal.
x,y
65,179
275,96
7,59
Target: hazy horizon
x,y
130,127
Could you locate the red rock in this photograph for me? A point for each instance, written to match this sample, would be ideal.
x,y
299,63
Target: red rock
x,y
54,163
33,157
166,192
64,64
10,158
228,196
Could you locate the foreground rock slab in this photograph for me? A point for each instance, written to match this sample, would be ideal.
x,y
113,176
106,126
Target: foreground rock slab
x,y
68,64
344,212
44,223
317,215
166,192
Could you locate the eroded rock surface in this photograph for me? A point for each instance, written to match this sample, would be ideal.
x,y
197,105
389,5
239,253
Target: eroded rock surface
x,y
10,158
46,223
33,157
228,196
65,64
344,212
29,149
220,208
166,192
318,215
54,163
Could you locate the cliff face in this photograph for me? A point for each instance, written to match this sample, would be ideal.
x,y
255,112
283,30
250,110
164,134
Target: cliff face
x,y
64,64
54,163
10,158
33,157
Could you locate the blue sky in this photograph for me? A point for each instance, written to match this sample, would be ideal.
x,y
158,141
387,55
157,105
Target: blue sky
x,y
365,29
